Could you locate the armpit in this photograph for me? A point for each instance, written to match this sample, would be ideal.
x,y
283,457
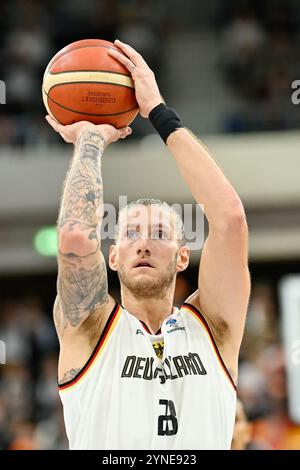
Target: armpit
x,y
219,328
92,327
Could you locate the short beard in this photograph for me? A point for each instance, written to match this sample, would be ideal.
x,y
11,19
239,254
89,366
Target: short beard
x,y
148,288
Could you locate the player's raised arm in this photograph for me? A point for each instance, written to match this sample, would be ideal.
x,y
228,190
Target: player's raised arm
x,y
82,278
224,284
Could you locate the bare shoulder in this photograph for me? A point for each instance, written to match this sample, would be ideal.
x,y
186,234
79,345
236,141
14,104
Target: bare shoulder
x,y
77,345
90,328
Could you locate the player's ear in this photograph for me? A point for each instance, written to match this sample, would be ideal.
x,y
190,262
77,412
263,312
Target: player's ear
x,y
112,258
183,258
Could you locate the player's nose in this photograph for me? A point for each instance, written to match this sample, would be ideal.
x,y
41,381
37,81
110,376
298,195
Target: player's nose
x,y
143,246
141,251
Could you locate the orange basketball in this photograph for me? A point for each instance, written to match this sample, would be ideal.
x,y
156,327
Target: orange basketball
x,y
82,82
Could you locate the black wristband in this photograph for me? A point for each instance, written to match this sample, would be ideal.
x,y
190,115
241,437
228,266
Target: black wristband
x,y
165,120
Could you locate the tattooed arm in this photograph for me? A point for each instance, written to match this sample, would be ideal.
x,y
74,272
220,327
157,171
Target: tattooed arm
x,y
82,278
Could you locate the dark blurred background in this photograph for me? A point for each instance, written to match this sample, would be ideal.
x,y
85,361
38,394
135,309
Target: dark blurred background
x,y
227,67
243,53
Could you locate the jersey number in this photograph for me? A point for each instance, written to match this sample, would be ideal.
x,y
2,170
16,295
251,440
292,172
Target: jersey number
x,y
167,423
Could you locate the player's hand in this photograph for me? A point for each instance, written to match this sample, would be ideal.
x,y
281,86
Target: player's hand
x,y
72,132
146,89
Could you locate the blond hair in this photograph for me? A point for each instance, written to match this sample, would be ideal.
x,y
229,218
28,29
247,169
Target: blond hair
x,y
179,227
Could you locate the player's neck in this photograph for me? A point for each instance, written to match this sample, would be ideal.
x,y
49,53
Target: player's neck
x,y
151,311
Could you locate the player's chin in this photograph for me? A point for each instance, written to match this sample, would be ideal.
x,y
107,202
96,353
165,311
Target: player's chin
x,y
145,271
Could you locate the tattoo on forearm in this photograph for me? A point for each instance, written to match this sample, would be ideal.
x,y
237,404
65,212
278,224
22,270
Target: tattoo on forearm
x,y
83,194
70,375
82,282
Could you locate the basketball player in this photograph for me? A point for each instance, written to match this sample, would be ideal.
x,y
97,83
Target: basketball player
x,y
143,374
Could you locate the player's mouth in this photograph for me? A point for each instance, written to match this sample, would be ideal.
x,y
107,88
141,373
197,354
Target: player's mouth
x,y
143,264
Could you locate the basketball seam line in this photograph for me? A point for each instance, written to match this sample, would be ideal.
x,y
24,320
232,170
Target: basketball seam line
x,y
103,71
87,81
87,114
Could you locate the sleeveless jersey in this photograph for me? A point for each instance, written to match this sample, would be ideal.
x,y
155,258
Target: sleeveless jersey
x,y
143,391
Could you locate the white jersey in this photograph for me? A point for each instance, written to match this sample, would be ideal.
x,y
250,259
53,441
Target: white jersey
x,y
143,391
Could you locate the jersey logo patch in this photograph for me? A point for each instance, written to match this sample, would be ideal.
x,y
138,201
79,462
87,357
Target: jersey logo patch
x,y
171,322
139,332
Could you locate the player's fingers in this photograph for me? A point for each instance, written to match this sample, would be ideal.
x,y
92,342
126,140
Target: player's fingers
x,y
133,55
56,126
123,59
124,132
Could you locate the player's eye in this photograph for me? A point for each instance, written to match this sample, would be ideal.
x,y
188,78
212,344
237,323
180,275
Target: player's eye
x,y
159,235
131,234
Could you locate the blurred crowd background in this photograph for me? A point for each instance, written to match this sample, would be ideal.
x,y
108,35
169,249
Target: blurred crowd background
x,y
239,58
246,51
